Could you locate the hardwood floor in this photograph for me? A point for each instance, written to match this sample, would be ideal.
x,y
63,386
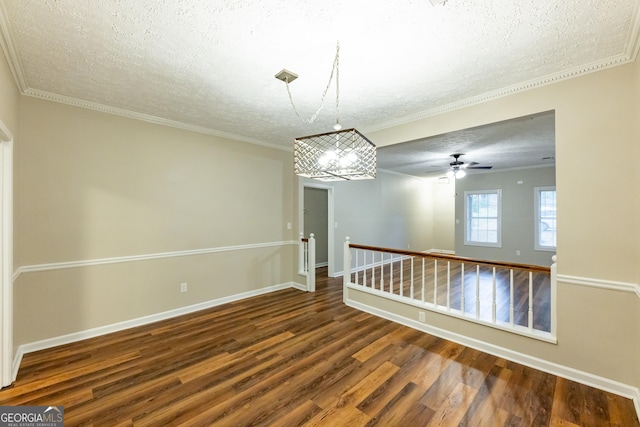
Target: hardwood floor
x,y
292,358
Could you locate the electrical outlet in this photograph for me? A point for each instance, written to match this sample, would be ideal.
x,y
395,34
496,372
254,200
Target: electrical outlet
x,y
421,316
183,287
517,253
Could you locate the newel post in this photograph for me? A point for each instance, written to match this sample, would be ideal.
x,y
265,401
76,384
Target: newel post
x,y
311,264
346,277
554,295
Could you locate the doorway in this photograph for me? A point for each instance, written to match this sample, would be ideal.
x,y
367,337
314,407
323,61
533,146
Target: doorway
x,y
317,217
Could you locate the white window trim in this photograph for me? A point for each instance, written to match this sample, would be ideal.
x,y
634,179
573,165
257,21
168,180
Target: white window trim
x,y
536,214
467,242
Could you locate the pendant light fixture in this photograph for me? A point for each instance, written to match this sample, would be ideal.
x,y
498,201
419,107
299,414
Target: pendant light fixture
x,y
333,156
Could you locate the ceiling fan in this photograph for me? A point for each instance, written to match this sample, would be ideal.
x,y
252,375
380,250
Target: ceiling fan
x,y
457,167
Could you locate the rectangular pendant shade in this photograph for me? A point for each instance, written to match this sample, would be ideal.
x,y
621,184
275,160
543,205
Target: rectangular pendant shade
x,y
335,156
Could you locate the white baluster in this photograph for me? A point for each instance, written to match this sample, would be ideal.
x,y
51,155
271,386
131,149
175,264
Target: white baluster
x,y
478,291
373,270
531,300
364,268
423,280
462,308
412,278
401,277
435,282
493,297
448,285
356,267
382,271
346,265
391,276
511,309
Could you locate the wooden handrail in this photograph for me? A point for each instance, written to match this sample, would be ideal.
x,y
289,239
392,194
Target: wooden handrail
x,y
305,240
453,258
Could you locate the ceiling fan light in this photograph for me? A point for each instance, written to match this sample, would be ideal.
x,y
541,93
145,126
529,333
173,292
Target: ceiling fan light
x,y
450,174
460,174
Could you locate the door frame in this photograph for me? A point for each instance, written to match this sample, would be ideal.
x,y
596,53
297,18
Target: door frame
x,y
6,256
302,184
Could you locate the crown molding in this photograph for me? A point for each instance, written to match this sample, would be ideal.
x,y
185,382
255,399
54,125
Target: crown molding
x,y
506,91
5,133
8,47
62,99
633,41
629,55
632,48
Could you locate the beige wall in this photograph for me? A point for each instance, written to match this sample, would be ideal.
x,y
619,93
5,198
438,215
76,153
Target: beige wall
x,y
518,215
392,211
444,210
598,224
91,185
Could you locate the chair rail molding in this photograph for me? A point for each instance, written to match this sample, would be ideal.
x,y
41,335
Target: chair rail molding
x,y
144,257
601,284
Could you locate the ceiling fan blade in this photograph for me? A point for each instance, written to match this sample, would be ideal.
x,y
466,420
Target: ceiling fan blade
x,y
479,167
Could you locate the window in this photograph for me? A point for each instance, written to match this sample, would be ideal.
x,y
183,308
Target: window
x,y
545,214
482,218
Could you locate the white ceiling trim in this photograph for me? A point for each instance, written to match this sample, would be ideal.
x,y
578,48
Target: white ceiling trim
x,y
5,133
630,54
8,47
633,42
147,118
521,87
510,90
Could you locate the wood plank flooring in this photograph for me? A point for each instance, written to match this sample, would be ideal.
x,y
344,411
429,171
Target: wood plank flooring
x,y
292,358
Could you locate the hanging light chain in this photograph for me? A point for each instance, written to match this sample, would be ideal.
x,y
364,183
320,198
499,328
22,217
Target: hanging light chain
x,y
336,65
334,70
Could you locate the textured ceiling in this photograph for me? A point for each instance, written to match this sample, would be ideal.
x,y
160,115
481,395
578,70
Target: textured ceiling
x,y
209,65
523,142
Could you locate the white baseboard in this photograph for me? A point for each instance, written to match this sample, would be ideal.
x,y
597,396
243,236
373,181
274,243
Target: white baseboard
x,y
297,286
115,327
567,372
